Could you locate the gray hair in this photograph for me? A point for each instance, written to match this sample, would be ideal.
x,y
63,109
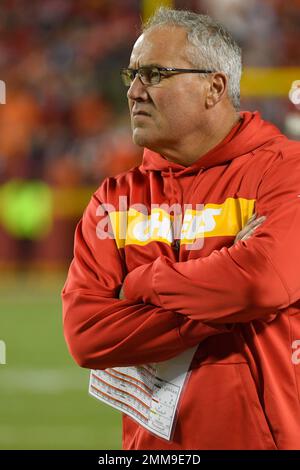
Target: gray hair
x,y
212,46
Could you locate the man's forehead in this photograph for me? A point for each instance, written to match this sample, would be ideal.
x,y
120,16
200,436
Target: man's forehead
x,y
159,45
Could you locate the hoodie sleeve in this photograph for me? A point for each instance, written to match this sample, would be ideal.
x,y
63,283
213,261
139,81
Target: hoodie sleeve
x,y
102,331
250,280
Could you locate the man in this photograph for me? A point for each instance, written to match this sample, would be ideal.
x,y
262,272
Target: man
x,y
234,298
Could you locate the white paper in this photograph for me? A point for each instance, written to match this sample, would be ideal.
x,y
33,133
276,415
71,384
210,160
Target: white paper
x,y
149,394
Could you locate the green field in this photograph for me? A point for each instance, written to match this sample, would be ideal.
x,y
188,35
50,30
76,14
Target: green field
x,y
44,403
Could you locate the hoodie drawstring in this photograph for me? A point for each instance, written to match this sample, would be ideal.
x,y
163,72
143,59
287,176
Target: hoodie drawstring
x,y
172,189
174,198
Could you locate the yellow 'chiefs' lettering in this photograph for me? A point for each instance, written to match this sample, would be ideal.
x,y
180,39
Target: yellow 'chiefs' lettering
x,y
227,219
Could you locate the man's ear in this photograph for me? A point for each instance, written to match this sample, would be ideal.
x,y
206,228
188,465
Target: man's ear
x,y
217,89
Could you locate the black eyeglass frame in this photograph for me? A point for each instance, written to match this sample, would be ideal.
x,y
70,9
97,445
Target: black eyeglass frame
x,y
167,72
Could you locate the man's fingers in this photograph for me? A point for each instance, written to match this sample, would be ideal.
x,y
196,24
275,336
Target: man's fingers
x,y
252,218
256,222
248,234
253,224
250,227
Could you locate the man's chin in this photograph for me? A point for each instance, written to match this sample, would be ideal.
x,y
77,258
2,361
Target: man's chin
x,y
141,138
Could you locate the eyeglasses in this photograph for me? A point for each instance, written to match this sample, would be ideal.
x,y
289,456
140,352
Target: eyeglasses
x,y
152,75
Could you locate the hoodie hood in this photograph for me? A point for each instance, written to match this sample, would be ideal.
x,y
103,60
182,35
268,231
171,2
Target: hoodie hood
x,y
247,136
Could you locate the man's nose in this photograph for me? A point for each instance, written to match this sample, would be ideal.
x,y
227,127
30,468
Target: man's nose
x,y
137,90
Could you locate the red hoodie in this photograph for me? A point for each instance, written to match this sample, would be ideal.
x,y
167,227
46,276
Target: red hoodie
x,y
240,302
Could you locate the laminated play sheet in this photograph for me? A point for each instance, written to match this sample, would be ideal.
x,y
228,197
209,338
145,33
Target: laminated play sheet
x,y
149,394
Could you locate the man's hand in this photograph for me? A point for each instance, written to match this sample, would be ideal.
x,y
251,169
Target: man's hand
x,y
249,228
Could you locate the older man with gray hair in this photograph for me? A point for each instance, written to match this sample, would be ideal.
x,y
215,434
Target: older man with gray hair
x,y
184,293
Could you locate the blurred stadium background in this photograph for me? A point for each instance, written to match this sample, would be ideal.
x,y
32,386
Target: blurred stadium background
x,y
65,127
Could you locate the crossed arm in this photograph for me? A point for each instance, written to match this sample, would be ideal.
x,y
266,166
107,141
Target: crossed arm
x,y
252,279
253,223
178,305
